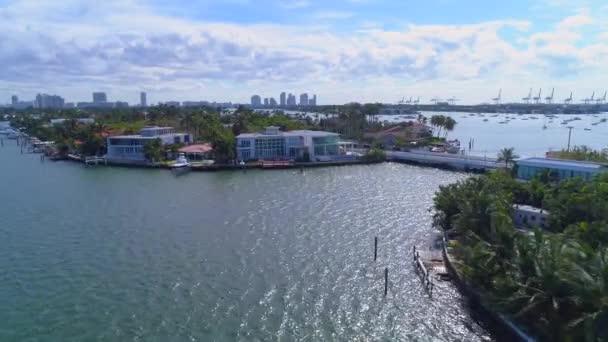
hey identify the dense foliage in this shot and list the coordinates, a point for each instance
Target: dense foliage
(582, 153)
(554, 283)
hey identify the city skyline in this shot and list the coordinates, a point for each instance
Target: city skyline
(362, 51)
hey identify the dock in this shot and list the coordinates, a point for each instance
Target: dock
(430, 267)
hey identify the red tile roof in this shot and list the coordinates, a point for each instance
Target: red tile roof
(197, 148)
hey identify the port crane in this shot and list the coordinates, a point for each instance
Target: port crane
(417, 101)
(568, 100)
(602, 99)
(497, 99)
(402, 101)
(590, 99)
(451, 100)
(549, 99)
(538, 98)
(409, 101)
(528, 98)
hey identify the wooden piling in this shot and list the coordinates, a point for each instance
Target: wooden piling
(385, 281)
(375, 248)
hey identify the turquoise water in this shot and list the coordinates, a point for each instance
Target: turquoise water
(116, 254)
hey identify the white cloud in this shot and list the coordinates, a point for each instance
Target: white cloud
(74, 47)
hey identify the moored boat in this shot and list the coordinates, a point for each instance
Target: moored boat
(181, 164)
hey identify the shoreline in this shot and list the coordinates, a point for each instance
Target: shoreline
(224, 167)
(499, 326)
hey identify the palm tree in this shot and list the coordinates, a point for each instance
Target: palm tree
(507, 155)
(449, 125)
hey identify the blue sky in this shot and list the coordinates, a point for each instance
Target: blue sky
(347, 50)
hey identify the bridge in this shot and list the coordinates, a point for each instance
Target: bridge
(454, 161)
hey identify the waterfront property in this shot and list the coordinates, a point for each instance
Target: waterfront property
(130, 148)
(558, 169)
(273, 144)
(406, 132)
(525, 216)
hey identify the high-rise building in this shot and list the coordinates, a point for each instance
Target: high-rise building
(304, 99)
(256, 101)
(273, 102)
(312, 101)
(266, 103)
(100, 97)
(48, 101)
(143, 99)
(283, 99)
(14, 100)
(291, 100)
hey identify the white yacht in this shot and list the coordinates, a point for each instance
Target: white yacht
(181, 164)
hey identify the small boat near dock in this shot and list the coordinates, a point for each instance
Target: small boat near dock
(181, 165)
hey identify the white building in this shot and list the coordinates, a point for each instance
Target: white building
(130, 148)
(273, 144)
(525, 216)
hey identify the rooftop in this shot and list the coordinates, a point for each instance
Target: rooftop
(561, 164)
(198, 148)
(139, 136)
(302, 132)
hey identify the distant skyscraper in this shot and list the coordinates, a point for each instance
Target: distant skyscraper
(273, 102)
(256, 101)
(100, 97)
(313, 101)
(304, 99)
(48, 101)
(143, 99)
(14, 100)
(283, 99)
(291, 100)
(266, 102)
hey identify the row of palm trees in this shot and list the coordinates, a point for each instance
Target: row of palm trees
(443, 123)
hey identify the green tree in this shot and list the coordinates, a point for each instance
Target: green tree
(449, 124)
(507, 155)
(153, 150)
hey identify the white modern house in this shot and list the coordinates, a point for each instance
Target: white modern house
(273, 144)
(130, 148)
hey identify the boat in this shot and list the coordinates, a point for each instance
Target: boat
(485, 119)
(587, 129)
(181, 164)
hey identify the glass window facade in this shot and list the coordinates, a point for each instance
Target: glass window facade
(529, 172)
(270, 148)
(326, 146)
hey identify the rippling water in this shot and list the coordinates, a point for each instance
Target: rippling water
(139, 255)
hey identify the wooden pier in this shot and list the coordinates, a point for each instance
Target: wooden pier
(429, 267)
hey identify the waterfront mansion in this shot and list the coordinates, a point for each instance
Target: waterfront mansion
(273, 144)
(129, 149)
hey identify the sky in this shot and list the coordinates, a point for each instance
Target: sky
(341, 50)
